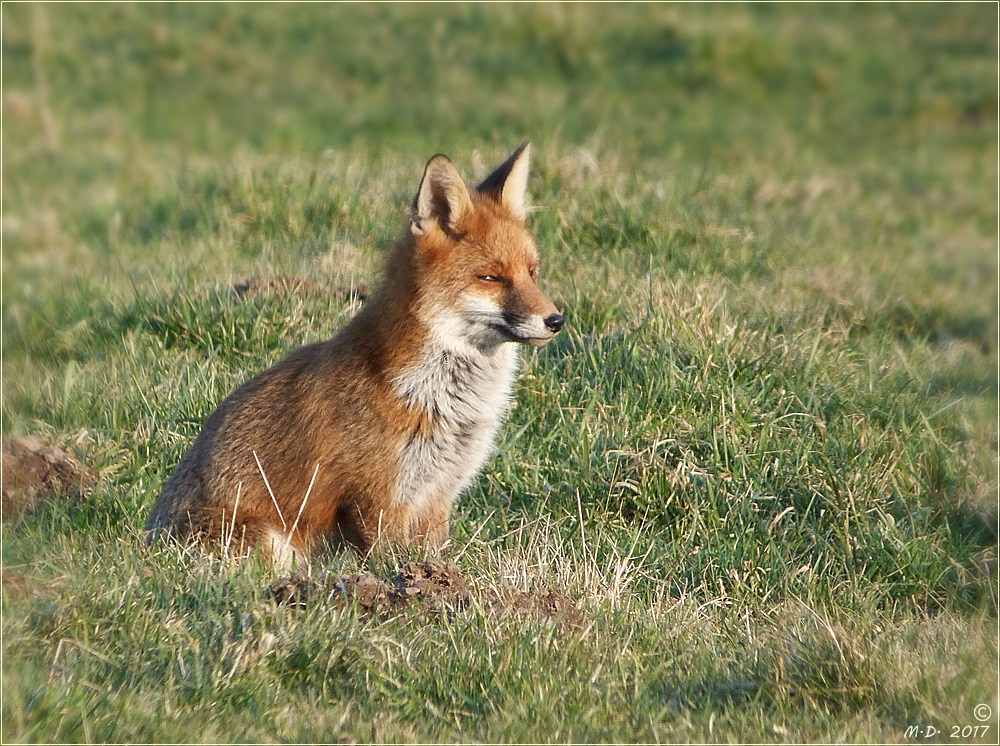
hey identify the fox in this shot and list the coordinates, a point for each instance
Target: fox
(367, 439)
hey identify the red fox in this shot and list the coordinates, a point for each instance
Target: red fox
(370, 436)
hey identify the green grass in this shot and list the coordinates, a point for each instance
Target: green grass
(762, 458)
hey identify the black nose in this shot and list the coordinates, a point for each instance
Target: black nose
(555, 322)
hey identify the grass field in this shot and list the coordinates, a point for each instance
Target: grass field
(762, 458)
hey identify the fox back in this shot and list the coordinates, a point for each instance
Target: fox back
(369, 437)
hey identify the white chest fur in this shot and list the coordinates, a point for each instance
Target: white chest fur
(462, 394)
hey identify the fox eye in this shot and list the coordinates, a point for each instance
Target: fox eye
(533, 272)
(490, 278)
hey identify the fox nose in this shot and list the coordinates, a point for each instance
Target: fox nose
(555, 322)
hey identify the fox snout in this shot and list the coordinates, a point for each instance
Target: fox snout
(534, 330)
(542, 321)
(555, 322)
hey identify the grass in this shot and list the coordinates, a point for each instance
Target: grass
(762, 458)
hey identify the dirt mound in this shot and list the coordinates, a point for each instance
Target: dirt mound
(293, 590)
(438, 583)
(432, 584)
(266, 287)
(366, 590)
(34, 473)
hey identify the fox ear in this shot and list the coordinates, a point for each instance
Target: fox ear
(442, 196)
(508, 185)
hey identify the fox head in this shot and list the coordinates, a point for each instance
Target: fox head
(476, 263)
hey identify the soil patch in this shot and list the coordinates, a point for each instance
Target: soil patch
(293, 590)
(366, 590)
(437, 583)
(431, 584)
(16, 584)
(34, 473)
(543, 605)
